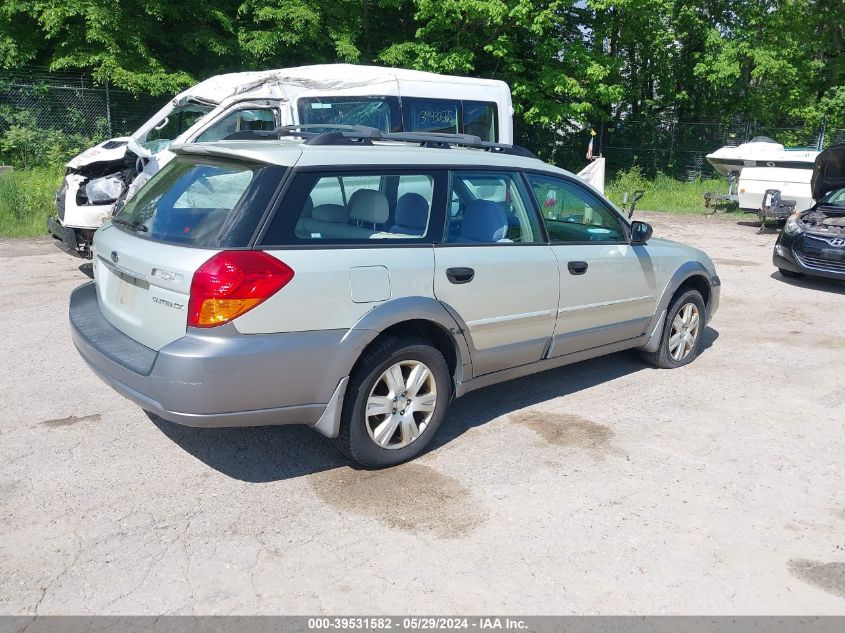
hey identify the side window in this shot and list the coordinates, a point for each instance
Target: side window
(173, 125)
(380, 112)
(430, 115)
(354, 208)
(573, 213)
(351, 184)
(479, 119)
(239, 121)
(448, 116)
(420, 185)
(491, 207)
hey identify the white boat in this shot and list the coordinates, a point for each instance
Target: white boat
(761, 151)
(793, 184)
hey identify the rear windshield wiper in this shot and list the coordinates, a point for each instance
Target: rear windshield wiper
(132, 226)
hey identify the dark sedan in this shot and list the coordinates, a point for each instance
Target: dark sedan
(813, 241)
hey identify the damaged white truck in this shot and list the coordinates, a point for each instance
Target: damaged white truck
(390, 99)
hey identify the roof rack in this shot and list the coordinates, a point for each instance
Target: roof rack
(363, 135)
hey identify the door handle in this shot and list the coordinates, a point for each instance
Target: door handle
(460, 275)
(577, 268)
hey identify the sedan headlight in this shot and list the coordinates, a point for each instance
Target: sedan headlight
(105, 189)
(793, 225)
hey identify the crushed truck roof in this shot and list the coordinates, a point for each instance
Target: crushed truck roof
(316, 77)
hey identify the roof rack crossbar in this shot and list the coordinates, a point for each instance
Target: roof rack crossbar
(332, 134)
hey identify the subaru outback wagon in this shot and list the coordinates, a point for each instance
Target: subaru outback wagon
(357, 283)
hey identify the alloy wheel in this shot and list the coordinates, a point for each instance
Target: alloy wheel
(684, 334)
(401, 404)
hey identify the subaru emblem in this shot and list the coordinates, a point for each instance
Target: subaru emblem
(114, 257)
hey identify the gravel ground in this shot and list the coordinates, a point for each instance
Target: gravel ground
(604, 487)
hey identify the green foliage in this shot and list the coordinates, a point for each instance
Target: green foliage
(663, 193)
(569, 62)
(26, 199)
(25, 145)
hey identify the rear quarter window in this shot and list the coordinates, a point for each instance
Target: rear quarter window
(203, 203)
(373, 208)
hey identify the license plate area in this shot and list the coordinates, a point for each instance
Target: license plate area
(121, 292)
(128, 289)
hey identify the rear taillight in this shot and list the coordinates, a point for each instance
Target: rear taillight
(233, 282)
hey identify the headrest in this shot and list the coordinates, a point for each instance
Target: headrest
(307, 208)
(484, 221)
(336, 213)
(369, 205)
(412, 211)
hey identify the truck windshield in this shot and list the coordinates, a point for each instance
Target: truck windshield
(172, 125)
(201, 202)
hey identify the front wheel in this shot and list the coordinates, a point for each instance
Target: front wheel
(681, 340)
(396, 399)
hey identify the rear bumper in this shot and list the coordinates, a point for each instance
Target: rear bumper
(219, 377)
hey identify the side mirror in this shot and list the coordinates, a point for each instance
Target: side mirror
(640, 232)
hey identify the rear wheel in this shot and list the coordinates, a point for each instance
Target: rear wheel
(396, 399)
(681, 340)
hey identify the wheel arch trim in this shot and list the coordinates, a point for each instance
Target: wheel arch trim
(428, 309)
(684, 273)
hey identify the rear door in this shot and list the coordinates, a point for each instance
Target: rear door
(495, 271)
(144, 260)
(608, 288)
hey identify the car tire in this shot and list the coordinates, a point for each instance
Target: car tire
(379, 426)
(680, 342)
(788, 273)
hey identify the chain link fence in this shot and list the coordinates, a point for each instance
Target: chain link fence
(64, 113)
(72, 103)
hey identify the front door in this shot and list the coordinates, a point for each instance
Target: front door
(608, 288)
(495, 271)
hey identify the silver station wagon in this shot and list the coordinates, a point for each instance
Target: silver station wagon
(357, 282)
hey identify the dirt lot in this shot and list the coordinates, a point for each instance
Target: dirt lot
(605, 487)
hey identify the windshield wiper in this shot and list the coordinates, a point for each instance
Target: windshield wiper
(132, 226)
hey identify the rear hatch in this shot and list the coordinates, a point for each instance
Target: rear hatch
(145, 258)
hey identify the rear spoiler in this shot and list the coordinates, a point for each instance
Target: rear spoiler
(237, 152)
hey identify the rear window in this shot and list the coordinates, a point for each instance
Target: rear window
(200, 202)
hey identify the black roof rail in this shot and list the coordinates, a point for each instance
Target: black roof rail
(337, 138)
(363, 135)
(316, 130)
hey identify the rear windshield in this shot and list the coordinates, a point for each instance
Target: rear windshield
(201, 202)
